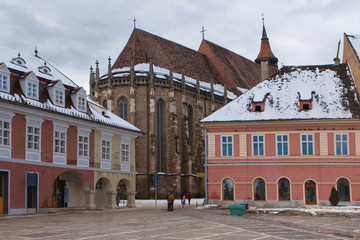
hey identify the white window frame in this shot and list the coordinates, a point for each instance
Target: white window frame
(81, 103)
(33, 154)
(341, 141)
(4, 73)
(106, 144)
(83, 160)
(5, 150)
(59, 157)
(125, 153)
(59, 97)
(282, 141)
(307, 144)
(258, 142)
(227, 143)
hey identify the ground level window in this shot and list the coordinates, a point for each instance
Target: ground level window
(228, 189)
(343, 188)
(259, 189)
(284, 189)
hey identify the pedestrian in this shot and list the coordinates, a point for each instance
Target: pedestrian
(189, 196)
(171, 199)
(183, 199)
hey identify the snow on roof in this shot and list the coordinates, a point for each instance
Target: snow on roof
(355, 42)
(112, 119)
(104, 115)
(35, 64)
(143, 68)
(334, 96)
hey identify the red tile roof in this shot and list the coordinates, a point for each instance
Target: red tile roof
(210, 62)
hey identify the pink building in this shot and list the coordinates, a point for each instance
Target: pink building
(57, 148)
(287, 141)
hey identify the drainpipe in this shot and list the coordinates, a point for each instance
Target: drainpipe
(206, 179)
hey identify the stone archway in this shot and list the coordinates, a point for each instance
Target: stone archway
(124, 191)
(102, 190)
(70, 190)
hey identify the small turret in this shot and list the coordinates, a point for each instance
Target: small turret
(109, 72)
(132, 73)
(183, 86)
(97, 72)
(266, 58)
(151, 72)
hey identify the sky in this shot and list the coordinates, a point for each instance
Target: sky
(73, 34)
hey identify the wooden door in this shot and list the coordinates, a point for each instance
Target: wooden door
(310, 192)
(2, 192)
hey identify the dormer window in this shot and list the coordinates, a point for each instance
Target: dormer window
(32, 90)
(78, 97)
(59, 97)
(57, 93)
(4, 78)
(19, 61)
(81, 103)
(30, 85)
(305, 105)
(45, 69)
(258, 106)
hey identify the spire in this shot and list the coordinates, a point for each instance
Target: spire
(203, 32)
(266, 58)
(91, 76)
(109, 72)
(264, 35)
(97, 72)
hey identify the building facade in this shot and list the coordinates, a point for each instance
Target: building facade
(164, 88)
(58, 148)
(287, 141)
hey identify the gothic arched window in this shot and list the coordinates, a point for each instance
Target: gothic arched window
(123, 103)
(259, 189)
(160, 136)
(343, 188)
(284, 189)
(228, 189)
(190, 126)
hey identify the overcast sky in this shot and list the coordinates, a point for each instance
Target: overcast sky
(72, 35)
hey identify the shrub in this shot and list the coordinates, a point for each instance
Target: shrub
(334, 197)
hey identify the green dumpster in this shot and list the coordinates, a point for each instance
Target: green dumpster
(237, 209)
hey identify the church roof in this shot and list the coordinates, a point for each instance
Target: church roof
(142, 45)
(230, 67)
(330, 88)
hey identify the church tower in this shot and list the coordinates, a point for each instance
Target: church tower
(266, 58)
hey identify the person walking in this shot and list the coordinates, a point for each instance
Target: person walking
(183, 199)
(189, 196)
(171, 200)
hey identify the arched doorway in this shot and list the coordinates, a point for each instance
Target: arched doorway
(125, 196)
(310, 192)
(69, 190)
(103, 185)
(121, 197)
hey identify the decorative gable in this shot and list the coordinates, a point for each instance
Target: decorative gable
(57, 93)
(4, 78)
(30, 85)
(78, 98)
